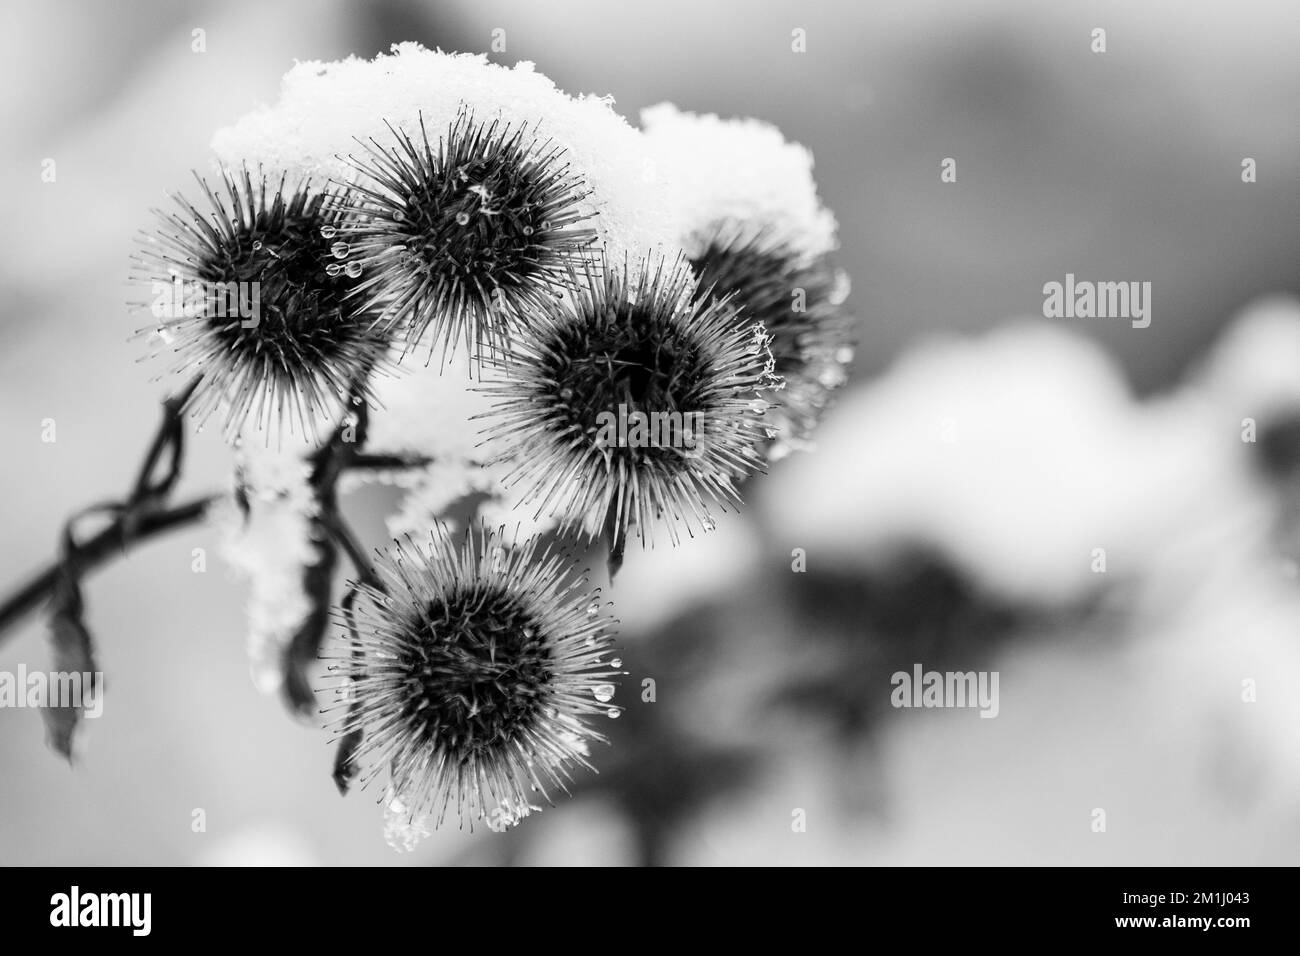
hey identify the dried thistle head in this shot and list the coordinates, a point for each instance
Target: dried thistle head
(470, 673)
(463, 236)
(799, 301)
(249, 294)
(630, 402)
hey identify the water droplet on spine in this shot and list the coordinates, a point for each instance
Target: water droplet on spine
(339, 250)
(603, 692)
(613, 713)
(352, 270)
(328, 231)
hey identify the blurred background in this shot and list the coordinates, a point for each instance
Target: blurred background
(951, 515)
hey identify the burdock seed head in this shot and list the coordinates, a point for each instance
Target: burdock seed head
(250, 295)
(754, 227)
(470, 673)
(631, 402)
(799, 301)
(464, 235)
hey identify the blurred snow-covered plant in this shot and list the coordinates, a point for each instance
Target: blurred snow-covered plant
(799, 305)
(420, 202)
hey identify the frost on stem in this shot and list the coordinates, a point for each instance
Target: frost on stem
(285, 531)
(268, 543)
(469, 676)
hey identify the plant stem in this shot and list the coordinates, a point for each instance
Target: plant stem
(117, 536)
(96, 551)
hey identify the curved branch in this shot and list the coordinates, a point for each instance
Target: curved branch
(95, 551)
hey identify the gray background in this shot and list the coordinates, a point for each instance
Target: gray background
(1122, 166)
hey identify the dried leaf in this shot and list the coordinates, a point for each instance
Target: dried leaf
(345, 768)
(73, 654)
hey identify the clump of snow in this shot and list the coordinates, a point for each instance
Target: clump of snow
(434, 491)
(324, 108)
(737, 175)
(429, 410)
(269, 547)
